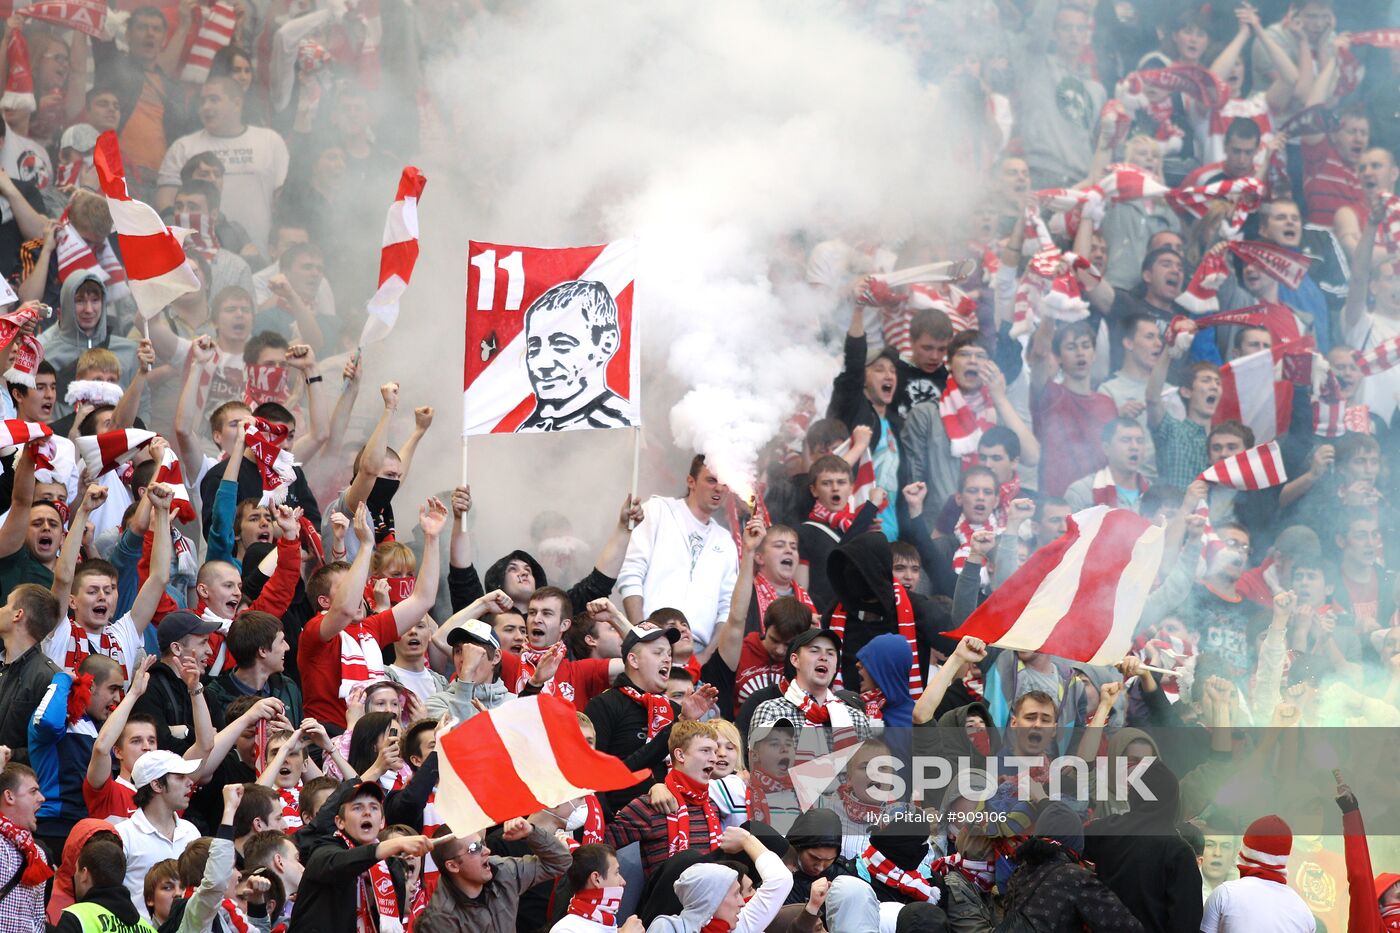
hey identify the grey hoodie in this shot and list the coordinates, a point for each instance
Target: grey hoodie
(851, 907)
(64, 343)
(701, 889)
(456, 700)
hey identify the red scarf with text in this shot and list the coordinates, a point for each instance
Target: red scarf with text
(761, 784)
(965, 417)
(361, 658)
(382, 884)
(908, 883)
(366, 914)
(904, 617)
(1106, 490)
(839, 521)
(600, 905)
(689, 793)
(291, 807)
(874, 701)
(765, 592)
(36, 867)
(660, 713)
(592, 824)
(265, 440)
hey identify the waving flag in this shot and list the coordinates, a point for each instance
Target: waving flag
(1079, 597)
(156, 267)
(108, 451)
(1250, 394)
(1256, 468)
(397, 257)
(551, 339)
(518, 758)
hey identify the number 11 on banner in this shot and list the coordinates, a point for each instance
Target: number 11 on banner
(514, 266)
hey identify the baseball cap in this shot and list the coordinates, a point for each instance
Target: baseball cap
(811, 635)
(474, 630)
(372, 788)
(872, 354)
(641, 636)
(176, 625)
(157, 764)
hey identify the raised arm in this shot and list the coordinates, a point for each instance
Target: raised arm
(372, 459)
(969, 651)
(186, 408)
(148, 598)
(459, 550)
(609, 562)
(1008, 416)
(32, 287)
(16, 527)
(99, 768)
(494, 601)
(729, 641)
(1042, 360)
(124, 416)
(303, 359)
(268, 708)
(67, 564)
(340, 415)
(1157, 380)
(422, 420)
(349, 591)
(431, 518)
(31, 223)
(1364, 259)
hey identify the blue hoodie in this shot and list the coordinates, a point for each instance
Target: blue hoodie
(887, 659)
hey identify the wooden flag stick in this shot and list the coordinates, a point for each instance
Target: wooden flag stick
(1158, 670)
(636, 467)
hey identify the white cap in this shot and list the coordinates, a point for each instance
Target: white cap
(158, 764)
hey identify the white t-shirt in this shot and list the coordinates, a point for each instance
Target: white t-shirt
(420, 682)
(126, 642)
(25, 160)
(255, 166)
(1382, 391)
(1253, 905)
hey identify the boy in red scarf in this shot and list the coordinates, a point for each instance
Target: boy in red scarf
(596, 879)
(20, 855)
(695, 823)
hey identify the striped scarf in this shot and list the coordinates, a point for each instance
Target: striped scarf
(601, 905)
(592, 824)
(908, 883)
(660, 713)
(366, 911)
(982, 875)
(73, 255)
(904, 618)
(689, 793)
(964, 418)
(291, 807)
(765, 593)
(80, 646)
(1106, 490)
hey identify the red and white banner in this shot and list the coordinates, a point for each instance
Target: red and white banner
(87, 16)
(266, 382)
(552, 343)
(216, 25)
(1251, 395)
(156, 267)
(397, 257)
(170, 474)
(108, 451)
(1256, 468)
(1079, 597)
(1379, 358)
(518, 758)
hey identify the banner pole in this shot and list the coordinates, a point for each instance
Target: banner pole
(464, 476)
(636, 467)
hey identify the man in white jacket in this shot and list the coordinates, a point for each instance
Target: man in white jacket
(680, 557)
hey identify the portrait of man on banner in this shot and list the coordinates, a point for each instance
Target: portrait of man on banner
(571, 334)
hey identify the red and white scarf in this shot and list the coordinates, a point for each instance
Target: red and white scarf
(765, 593)
(834, 713)
(265, 440)
(366, 910)
(74, 255)
(965, 418)
(660, 713)
(761, 785)
(963, 531)
(874, 701)
(201, 238)
(291, 807)
(1388, 229)
(904, 618)
(381, 884)
(1379, 358)
(908, 883)
(236, 917)
(37, 869)
(1255, 864)
(839, 521)
(981, 875)
(1244, 194)
(80, 646)
(689, 793)
(361, 658)
(1390, 918)
(1106, 490)
(601, 905)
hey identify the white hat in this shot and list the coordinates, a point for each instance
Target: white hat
(158, 764)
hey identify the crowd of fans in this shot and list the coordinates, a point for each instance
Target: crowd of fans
(220, 707)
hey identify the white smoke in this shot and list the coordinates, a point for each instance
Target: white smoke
(717, 133)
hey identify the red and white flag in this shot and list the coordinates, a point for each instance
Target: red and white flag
(552, 343)
(397, 256)
(87, 16)
(105, 452)
(1379, 358)
(169, 473)
(1256, 468)
(1079, 597)
(14, 433)
(156, 267)
(518, 758)
(216, 25)
(1251, 395)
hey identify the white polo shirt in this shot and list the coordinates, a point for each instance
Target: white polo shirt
(144, 846)
(1254, 905)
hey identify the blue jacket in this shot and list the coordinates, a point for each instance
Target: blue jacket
(887, 659)
(59, 755)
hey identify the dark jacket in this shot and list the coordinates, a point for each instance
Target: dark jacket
(621, 727)
(494, 910)
(1143, 860)
(816, 828)
(167, 699)
(848, 402)
(1051, 892)
(221, 691)
(114, 900)
(122, 72)
(464, 586)
(862, 574)
(326, 899)
(22, 687)
(250, 487)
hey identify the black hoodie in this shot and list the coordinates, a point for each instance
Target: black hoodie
(1143, 860)
(115, 900)
(861, 572)
(815, 829)
(464, 586)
